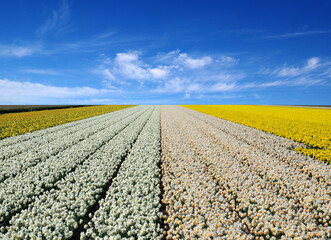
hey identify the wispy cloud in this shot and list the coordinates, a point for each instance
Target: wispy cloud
(28, 92)
(43, 71)
(311, 64)
(312, 73)
(19, 50)
(93, 43)
(305, 82)
(297, 34)
(58, 22)
(187, 86)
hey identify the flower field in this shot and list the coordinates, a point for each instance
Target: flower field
(19, 123)
(169, 172)
(311, 126)
(223, 180)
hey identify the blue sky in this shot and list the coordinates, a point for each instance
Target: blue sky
(165, 52)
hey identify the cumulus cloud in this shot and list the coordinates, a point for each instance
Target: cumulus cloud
(171, 72)
(14, 92)
(184, 60)
(128, 65)
(160, 72)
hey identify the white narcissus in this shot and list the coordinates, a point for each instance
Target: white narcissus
(131, 207)
(24, 188)
(19, 156)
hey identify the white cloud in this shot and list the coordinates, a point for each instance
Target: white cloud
(58, 22)
(311, 64)
(178, 85)
(227, 61)
(160, 72)
(109, 78)
(14, 92)
(184, 60)
(225, 76)
(167, 57)
(19, 50)
(222, 87)
(129, 66)
(107, 74)
(187, 86)
(297, 34)
(175, 85)
(43, 71)
(286, 71)
(305, 82)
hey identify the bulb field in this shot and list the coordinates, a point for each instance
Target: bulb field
(310, 126)
(165, 172)
(24, 122)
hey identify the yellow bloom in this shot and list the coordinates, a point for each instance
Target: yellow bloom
(13, 124)
(311, 126)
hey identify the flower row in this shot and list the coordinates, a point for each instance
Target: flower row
(58, 213)
(17, 192)
(32, 141)
(44, 150)
(311, 126)
(19, 123)
(217, 186)
(131, 209)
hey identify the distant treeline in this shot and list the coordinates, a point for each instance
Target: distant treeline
(315, 105)
(30, 108)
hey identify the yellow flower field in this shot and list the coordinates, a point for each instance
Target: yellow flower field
(311, 126)
(13, 124)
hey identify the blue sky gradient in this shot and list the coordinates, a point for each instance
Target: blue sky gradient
(165, 52)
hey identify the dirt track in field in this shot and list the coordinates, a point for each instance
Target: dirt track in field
(225, 180)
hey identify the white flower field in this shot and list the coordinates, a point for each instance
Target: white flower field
(151, 172)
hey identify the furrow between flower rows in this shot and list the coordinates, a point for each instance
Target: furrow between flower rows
(131, 209)
(56, 214)
(12, 166)
(18, 192)
(32, 141)
(254, 195)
